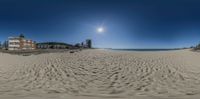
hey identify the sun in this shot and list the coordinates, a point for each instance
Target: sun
(100, 29)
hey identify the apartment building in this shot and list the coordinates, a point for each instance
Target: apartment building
(53, 45)
(20, 43)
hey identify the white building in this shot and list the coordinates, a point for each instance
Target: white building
(20, 43)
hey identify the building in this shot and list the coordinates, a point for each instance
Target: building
(89, 43)
(86, 44)
(53, 45)
(20, 43)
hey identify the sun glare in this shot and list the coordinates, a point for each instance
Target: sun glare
(100, 30)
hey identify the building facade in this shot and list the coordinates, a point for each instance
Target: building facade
(53, 45)
(89, 43)
(86, 44)
(20, 43)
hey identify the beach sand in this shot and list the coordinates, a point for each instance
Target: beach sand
(101, 74)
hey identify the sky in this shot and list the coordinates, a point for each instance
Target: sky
(125, 23)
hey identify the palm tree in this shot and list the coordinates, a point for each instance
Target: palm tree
(5, 45)
(21, 36)
(197, 47)
(0, 45)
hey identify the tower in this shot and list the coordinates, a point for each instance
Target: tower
(89, 43)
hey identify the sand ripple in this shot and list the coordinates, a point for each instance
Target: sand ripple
(103, 73)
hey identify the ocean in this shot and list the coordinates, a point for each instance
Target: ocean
(144, 49)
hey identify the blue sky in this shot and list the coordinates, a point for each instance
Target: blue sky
(127, 23)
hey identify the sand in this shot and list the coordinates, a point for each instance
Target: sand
(101, 74)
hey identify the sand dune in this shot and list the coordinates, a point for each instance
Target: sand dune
(96, 74)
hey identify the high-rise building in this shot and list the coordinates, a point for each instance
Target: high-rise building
(89, 43)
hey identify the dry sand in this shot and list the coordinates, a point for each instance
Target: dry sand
(101, 74)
